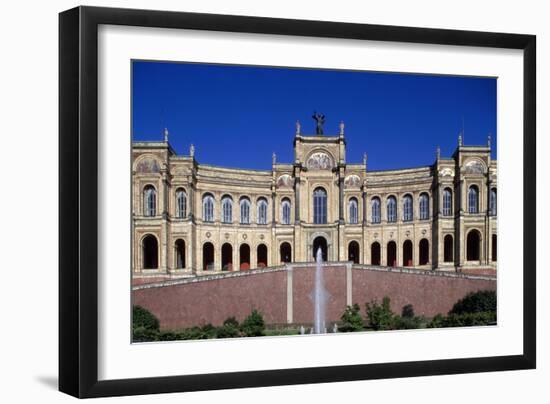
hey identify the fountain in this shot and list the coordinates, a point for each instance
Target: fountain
(319, 296)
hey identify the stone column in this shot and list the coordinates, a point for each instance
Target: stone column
(341, 200)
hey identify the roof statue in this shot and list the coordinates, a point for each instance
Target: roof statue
(320, 121)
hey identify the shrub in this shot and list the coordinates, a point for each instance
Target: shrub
(464, 320)
(407, 311)
(253, 325)
(380, 316)
(229, 329)
(351, 319)
(476, 302)
(407, 323)
(142, 334)
(143, 318)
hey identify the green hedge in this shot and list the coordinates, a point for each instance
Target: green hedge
(476, 302)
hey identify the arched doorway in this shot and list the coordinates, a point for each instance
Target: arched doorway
(424, 252)
(150, 252)
(391, 254)
(353, 252)
(227, 257)
(320, 242)
(262, 256)
(180, 254)
(207, 256)
(448, 248)
(407, 253)
(472, 246)
(375, 253)
(244, 257)
(286, 252)
(494, 247)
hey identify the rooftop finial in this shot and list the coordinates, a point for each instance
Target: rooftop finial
(166, 134)
(320, 121)
(192, 150)
(438, 153)
(460, 139)
(298, 128)
(341, 128)
(274, 158)
(489, 140)
(365, 159)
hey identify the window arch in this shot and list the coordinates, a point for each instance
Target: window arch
(424, 252)
(180, 253)
(448, 248)
(407, 208)
(375, 210)
(391, 207)
(285, 211)
(244, 257)
(493, 202)
(208, 256)
(447, 202)
(391, 254)
(473, 244)
(407, 253)
(473, 199)
(319, 206)
(181, 203)
(375, 253)
(353, 211)
(149, 201)
(227, 257)
(262, 211)
(150, 252)
(245, 210)
(208, 208)
(227, 209)
(424, 205)
(261, 256)
(353, 252)
(286, 252)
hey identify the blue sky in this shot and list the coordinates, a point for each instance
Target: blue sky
(236, 116)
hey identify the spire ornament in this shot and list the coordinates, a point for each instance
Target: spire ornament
(438, 153)
(341, 128)
(166, 135)
(298, 128)
(274, 158)
(192, 150)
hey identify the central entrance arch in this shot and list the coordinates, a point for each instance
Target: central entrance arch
(320, 242)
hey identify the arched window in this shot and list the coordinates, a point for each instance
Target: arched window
(407, 253)
(448, 248)
(181, 203)
(150, 252)
(375, 253)
(208, 256)
(447, 202)
(353, 252)
(407, 208)
(285, 211)
(208, 208)
(391, 206)
(353, 219)
(180, 253)
(473, 199)
(245, 211)
(424, 206)
(424, 252)
(149, 201)
(244, 256)
(262, 211)
(319, 206)
(286, 252)
(227, 257)
(375, 206)
(320, 243)
(493, 202)
(261, 255)
(391, 254)
(227, 209)
(473, 242)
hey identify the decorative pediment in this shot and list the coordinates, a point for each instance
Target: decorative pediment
(352, 181)
(148, 166)
(319, 161)
(474, 167)
(285, 181)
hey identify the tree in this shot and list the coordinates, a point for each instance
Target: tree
(380, 316)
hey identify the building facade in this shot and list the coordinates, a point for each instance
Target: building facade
(193, 219)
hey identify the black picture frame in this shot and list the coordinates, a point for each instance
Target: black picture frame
(78, 193)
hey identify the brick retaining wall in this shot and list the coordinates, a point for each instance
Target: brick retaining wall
(284, 294)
